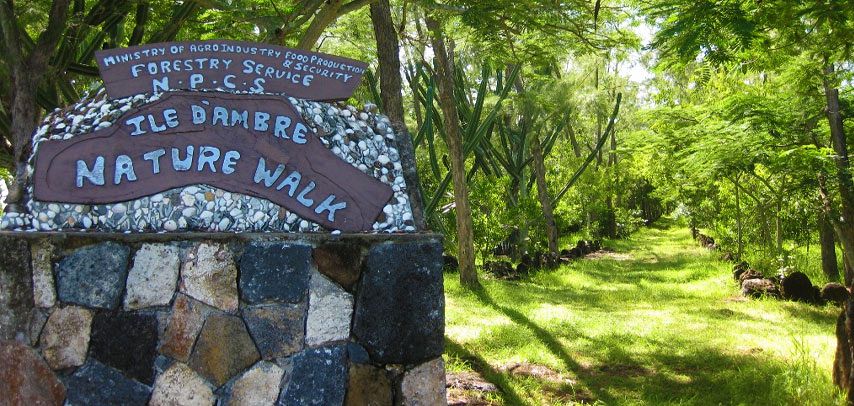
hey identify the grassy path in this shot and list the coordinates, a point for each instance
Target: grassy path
(658, 321)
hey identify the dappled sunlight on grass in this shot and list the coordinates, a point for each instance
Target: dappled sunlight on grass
(660, 323)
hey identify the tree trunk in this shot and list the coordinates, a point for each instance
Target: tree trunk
(844, 227)
(842, 359)
(738, 219)
(326, 16)
(26, 74)
(849, 330)
(848, 273)
(543, 192)
(388, 51)
(847, 246)
(321, 20)
(828, 248)
(445, 81)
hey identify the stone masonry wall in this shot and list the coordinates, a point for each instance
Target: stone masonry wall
(202, 319)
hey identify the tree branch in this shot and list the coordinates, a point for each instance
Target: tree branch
(37, 61)
(353, 6)
(9, 27)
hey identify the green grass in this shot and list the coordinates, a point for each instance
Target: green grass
(658, 322)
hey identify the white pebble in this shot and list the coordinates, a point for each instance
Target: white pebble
(188, 200)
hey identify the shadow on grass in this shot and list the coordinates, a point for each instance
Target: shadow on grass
(544, 336)
(674, 371)
(687, 376)
(623, 366)
(489, 373)
(820, 316)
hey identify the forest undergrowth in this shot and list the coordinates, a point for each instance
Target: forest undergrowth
(656, 319)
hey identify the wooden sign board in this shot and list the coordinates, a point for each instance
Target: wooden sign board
(230, 66)
(255, 145)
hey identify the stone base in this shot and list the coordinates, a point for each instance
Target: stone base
(283, 319)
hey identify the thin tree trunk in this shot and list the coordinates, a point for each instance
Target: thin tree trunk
(598, 136)
(543, 192)
(445, 80)
(847, 245)
(576, 148)
(738, 219)
(778, 226)
(388, 51)
(828, 248)
(842, 359)
(612, 154)
(844, 226)
(140, 19)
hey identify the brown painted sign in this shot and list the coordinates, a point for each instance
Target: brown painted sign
(256, 145)
(229, 66)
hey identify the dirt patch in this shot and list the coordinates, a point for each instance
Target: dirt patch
(558, 387)
(469, 389)
(535, 371)
(569, 394)
(750, 350)
(469, 380)
(609, 254)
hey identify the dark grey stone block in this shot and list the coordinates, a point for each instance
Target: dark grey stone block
(127, 342)
(400, 306)
(97, 384)
(357, 354)
(94, 276)
(16, 294)
(319, 377)
(274, 272)
(278, 329)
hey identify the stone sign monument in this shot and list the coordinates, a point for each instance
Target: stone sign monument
(182, 241)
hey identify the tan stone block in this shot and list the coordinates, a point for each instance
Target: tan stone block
(180, 385)
(425, 384)
(44, 285)
(210, 275)
(65, 337)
